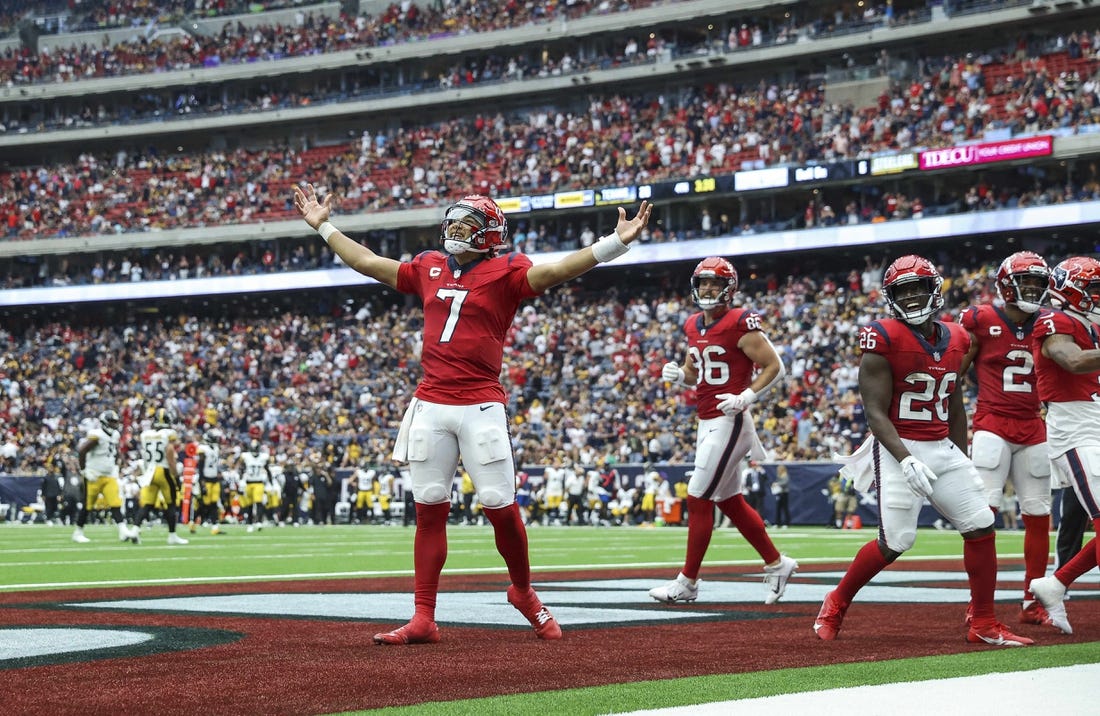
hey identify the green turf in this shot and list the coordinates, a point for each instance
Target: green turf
(41, 557)
(685, 692)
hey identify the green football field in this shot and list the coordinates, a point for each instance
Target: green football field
(40, 557)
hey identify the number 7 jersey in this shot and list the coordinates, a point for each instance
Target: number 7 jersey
(925, 373)
(468, 311)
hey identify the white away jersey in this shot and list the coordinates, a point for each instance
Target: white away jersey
(102, 459)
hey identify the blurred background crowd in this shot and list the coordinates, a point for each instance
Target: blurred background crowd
(144, 141)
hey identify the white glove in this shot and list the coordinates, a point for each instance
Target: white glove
(731, 404)
(672, 373)
(918, 475)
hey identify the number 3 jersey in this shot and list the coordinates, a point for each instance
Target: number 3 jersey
(1008, 401)
(925, 373)
(1073, 399)
(722, 366)
(468, 311)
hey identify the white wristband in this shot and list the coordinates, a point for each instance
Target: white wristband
(326, 230)
(609, 247)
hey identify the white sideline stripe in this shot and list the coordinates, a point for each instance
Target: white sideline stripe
(403, 573)
(1060, 690)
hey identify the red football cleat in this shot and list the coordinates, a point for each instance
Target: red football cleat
(827, 624)
(995, 633)
(417, 631)
(529, 605)
(1034, 613)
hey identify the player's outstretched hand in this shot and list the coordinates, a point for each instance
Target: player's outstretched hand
(630, 229)
(314, 212)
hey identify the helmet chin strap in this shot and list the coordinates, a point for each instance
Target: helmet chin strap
(455, 247)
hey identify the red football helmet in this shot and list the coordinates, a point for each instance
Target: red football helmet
(475, 223)
(714, 267)
(1075, 284)
(1023, 280)
(906, 272)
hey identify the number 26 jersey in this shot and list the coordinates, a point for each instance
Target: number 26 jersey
(925, 373)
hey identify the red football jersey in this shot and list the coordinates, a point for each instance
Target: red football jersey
(1008, 401)
(925, 374)
(467, 312)
(1055, 384)
(722, 366)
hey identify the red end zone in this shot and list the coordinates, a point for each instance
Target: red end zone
(239, 663)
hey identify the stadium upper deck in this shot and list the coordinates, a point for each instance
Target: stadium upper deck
(688, 57)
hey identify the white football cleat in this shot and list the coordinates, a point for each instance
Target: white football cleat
(1051, 594)
(78, 536)
(129, 533)
(174, 538)
(777, 577)
(678, 590)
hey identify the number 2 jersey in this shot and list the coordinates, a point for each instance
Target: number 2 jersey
(1008, 400)
(925, 373)
(468, 311)
(1072, 399)
(722, 366)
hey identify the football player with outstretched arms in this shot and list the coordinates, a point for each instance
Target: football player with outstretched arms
(470, 292)
(723, 346)
(1067, 364)
(160, 476)
(908, 380)
(1009, 436)
(97, 456)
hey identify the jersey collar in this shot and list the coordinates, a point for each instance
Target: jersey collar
(1024, 327)
(454, 265)
(701, 319)
(943, 339)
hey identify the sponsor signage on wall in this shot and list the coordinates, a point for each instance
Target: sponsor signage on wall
(761, 179)
(893, 163)
(968, 154)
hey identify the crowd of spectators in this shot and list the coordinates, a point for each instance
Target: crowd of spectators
(310, 34)
(610, 139)
(238, 43)
(529, 236)
(582, 369)
(63, 16)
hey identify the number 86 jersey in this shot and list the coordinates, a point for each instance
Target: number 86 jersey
(722, 366)
(925, 373)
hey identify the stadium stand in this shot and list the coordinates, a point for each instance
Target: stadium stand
(802, 141)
